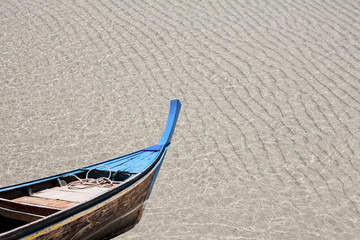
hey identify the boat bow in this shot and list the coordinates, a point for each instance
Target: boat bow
(60, 210)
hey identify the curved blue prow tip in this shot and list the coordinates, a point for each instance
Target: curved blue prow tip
(174, 111)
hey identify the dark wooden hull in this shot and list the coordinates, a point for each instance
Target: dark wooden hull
(53, 208)
(106, 220)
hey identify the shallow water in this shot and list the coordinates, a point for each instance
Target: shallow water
(267, 143)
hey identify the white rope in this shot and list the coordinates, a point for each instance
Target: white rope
(91, 182)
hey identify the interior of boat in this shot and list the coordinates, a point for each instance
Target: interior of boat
(25, 203)
(31, 202)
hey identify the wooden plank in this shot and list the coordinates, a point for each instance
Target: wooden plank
(114, 160)
(129, 159)
(72, 195)
(17, 215)
(105, 221)
(53, 203)
(25, 207)
(138, 164)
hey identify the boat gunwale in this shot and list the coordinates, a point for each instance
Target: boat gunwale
(65, 174)
(35, 226)
(100, 203)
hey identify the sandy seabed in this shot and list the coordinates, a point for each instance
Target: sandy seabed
(267, 143)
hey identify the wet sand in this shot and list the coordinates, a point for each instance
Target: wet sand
(267, 144)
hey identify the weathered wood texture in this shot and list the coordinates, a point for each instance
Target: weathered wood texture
(19, 215)
(106, 221)
(71, 195)
(26, 207)
(59, 204)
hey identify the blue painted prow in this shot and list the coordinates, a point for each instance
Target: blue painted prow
(135, 162)
(174, 111)
(164, 142)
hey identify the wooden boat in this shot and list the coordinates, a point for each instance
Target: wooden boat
(99, 201)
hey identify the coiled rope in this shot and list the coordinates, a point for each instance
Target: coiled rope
(91, 182)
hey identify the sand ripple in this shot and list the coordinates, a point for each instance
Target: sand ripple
(267, 145)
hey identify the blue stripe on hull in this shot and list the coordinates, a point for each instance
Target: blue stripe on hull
(156, 173)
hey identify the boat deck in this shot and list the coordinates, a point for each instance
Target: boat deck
(70, 195)
(31, 206)
(26, 203)
(39, 201)
(40, 204)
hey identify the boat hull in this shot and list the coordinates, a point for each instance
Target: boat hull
(57, 208)
(105, 220)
